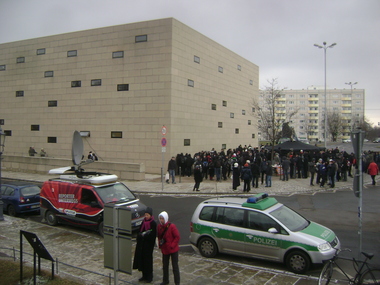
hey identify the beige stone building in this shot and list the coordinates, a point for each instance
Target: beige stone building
(119, 86)
(309, 103)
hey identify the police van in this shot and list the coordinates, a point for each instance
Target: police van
(79, 199)
(260, 227)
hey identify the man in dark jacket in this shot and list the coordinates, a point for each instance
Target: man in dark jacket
(246, 175)
(331, 171)
(172, 166)
(255, 169)
(285, 168)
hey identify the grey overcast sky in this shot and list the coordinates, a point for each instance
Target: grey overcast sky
(276, 35)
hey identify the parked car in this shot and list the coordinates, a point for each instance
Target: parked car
(346, 140)
(260, 227)
(304, 141)
(376, 140)
(79, 200)
(20, 197)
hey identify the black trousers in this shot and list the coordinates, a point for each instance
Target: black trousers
(165, 267)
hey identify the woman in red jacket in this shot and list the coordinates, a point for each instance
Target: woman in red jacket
(373, 170)
(168, 240)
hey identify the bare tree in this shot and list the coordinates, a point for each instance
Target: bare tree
(270, 112)
(334, 124)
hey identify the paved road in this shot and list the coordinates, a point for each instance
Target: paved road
(85, 251)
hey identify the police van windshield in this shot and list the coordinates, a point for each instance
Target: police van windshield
(114, 193)
(290, 219)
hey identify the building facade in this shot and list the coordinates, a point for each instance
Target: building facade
(309, 104)
(119, 86)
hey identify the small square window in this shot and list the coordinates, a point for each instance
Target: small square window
(186, 142)
(197, 59)
(224, 103)
(123, 87)
(239, 67)
(53, 103)
(20, 59)
(243, 112)
(2, 122)
(116, 135)
(52, 139)
(35, 127)
(96, 82)
(72, 53)
(20, 93)
(220, 69)
(49, 73)
(3, 67)
(190, 83)
(253, 136)
(220, 124)
(141, 38)
(118, 54)
(8, 133)
(41, 51)
(213, 106)
(232, 115)
(253, 110)
(236, 131)
(249, 122)
(251, 82)
(76, 83)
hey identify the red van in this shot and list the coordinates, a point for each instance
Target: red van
(79, 201)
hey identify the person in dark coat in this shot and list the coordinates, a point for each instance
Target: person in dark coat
(331, 172)
(246, 175)
(235, 176)
(285, 168)
(146, 239)
(323, 173)
(198, 177)
(312, 170)
(255, 168)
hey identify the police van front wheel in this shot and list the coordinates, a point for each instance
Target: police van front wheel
(207, 247)
(297, 261)
(51, 219)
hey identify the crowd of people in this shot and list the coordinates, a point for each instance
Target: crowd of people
(252, 166)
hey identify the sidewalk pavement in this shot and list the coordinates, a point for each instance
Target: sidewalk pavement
(80, 254)
(184, 185)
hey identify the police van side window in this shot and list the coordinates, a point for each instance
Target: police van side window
(206, 214)
(261, 222)
(230, 216)
(234, 217)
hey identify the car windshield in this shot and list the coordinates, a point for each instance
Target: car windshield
(30, 191)
(290, 219)
(115, 193)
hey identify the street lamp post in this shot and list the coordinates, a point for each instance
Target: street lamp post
(2, 141)
(350, 83)
(325, 47)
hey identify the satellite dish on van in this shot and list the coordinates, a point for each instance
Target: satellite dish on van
(76, 155)
(77, 148)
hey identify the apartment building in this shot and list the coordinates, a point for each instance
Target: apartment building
(310, 105)
(119, 86)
